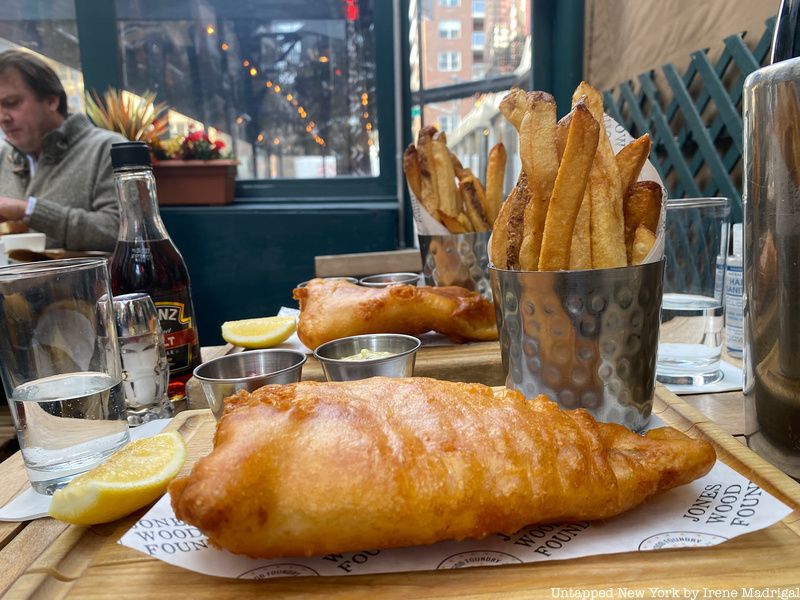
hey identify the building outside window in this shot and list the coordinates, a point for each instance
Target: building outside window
(449, 61)
(289, 88)
(450, 30)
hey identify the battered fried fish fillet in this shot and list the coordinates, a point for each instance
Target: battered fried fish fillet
(331, 309)
(314, 468)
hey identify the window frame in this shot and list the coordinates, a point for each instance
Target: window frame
(99, 48)
(450, 54)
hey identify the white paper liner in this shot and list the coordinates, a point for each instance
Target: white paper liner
(720, 506)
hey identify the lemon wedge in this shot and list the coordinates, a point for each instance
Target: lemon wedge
(131, 478)
(263, 332)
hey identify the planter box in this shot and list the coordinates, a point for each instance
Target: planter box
(195, 181)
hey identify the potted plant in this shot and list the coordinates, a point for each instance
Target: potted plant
(189, 170)
(193, 170)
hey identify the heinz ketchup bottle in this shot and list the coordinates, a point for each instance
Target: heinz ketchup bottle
(146, 260)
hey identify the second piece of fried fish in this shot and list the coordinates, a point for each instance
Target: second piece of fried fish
(334, 308)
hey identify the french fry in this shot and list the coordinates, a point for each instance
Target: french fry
(427, 170)
(463, 219)
(631, 159)
(569, 188)
(642, 207)
(643, 241)
(411, 169)
(507, 232)
(495, 175)
(513, 106)
(445, 175)
(474, 199)
(452, 224)
(561, 133)
(580, 250)
(605, 191)
(458, 168)
(538, 152)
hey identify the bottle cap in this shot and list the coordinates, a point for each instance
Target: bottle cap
(130, 154)
(737, 239)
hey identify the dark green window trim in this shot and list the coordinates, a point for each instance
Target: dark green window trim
(97, 30)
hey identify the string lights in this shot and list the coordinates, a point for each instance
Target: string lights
(352, 12)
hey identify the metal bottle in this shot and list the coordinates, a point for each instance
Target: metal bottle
(772, 252)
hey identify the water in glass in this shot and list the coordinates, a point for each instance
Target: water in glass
(690, 344)
(67, 424)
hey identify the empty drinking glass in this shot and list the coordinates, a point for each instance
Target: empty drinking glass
(144, 359)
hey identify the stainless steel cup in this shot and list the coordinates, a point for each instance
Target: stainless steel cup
(400, 364)
(585, 338)
(457, 259)
(387, 279)
(226, 375)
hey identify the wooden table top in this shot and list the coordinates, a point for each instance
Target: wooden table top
(48, 559)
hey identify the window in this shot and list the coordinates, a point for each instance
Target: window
(448, 123)
(478, 40)
(49, 29)
(449, 30)
(450, 3)
(290, 88)
(478, 8)
(449, 61)
(478, 70)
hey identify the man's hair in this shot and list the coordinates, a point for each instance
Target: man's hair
(37, 74)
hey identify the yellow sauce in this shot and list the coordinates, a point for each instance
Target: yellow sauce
(367, 354)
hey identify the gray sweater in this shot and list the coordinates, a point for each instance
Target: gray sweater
(76, 201)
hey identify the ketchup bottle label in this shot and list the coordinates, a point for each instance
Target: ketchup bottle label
(179, 335)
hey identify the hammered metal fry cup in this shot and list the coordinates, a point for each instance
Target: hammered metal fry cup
(457, 259)
(585, 338)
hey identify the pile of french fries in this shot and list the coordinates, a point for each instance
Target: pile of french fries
(576, 205)
(452, 194)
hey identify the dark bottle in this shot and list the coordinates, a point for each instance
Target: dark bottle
(146, 260)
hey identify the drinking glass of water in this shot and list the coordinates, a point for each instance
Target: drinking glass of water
(696, 247)
(60, 366)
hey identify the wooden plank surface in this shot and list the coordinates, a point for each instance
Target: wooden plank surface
(368, 263)
(88, 563)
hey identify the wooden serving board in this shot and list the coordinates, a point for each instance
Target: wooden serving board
(88, 563)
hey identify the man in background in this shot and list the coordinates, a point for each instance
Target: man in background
(55, 168)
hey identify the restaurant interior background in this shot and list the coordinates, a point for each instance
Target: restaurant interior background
(317, 99)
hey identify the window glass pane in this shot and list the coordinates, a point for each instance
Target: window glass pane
(48, 28)
(290, 87)
(494, 34)
(449, 30)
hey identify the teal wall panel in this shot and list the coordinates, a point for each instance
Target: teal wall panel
(244, 260)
